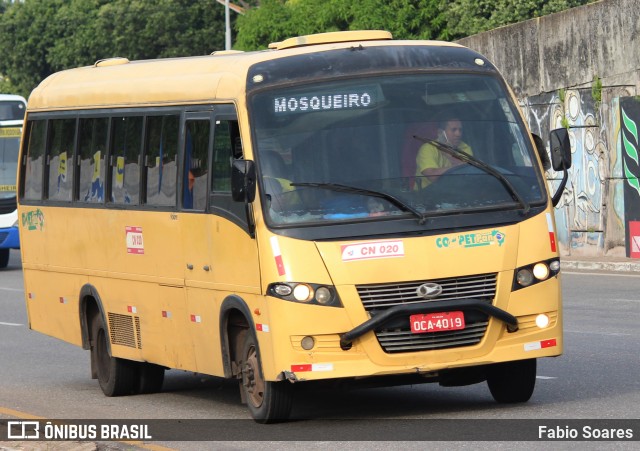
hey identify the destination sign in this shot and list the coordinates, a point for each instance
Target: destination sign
(10, 132)
(307, 103)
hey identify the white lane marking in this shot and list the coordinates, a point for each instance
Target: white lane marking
(604, 272)
(10, 324)
(546, 377)
(18, 290)
(612, 334)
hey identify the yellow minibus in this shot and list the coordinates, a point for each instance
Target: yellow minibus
(340, 206)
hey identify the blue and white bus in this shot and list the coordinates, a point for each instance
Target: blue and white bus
(12, 109)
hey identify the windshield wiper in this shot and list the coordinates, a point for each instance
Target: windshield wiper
(470, 159)
(366, 192)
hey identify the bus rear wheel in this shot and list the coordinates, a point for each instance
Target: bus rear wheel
(268, 402)
(150, 378)
(512, 382)
(116, 376)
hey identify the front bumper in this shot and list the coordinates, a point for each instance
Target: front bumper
(428, 307)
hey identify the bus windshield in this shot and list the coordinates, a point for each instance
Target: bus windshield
(390, 146)
(12, 110)
(9, 146)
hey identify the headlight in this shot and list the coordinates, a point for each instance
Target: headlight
(302, 293)
(536, 272)
(541, 271)
(524, 277)
(323, 295)
(306, 293)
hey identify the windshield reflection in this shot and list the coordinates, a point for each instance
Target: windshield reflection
(390, 147)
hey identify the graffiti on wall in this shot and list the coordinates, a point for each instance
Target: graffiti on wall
(580, 216)
(630, 124)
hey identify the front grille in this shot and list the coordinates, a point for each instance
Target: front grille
(406, 341)
(397, 336)
(3, 236)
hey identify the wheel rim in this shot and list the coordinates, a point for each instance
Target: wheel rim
(251, 379)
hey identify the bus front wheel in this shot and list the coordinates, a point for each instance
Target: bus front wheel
(268, 402)
(116, 376)
(512, 382)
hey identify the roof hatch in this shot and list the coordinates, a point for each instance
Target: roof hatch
(111, 62)
(332, 37)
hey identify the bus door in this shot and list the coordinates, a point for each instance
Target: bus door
(221, 257)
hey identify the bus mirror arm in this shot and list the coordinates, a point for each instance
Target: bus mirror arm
(426, 307)
(556, 197)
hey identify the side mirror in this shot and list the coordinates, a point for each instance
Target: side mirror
(560, 149)
(243, 181)
(560, 158)
(542, 152)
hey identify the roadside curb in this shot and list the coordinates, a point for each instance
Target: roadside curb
(600, 266)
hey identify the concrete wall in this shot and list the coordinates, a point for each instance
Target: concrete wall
(551, 63)
(567, 49)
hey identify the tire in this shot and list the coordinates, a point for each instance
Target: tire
(268, 402)
(512, 382)
(4, 258)
(117, 377)
(150, 378)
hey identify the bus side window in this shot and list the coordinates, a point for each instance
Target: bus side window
(194, 191)
(33, 164)
(161, 160)
(227, 147)
(59, 159)
(125, 159)
(92, 150)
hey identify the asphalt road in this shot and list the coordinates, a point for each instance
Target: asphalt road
(596, 378)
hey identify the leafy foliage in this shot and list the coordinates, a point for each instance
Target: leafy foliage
(44, 36)
(40, 37)
(276, 20)
(467, 17)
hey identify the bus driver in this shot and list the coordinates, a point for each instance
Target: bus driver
(432, 162)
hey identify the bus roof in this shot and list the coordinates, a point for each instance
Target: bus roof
(220, 76)
(12, 97)
(12, 123)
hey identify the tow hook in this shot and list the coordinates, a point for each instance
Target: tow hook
(287, 376)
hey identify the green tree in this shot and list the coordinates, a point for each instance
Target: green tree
(44, 36)
(467, 17)
(275, 20)
(27, 36)
(40, 37)
(145, 29)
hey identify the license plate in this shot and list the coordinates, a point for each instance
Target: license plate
(436, 322)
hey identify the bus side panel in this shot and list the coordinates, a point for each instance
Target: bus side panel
(202, 326)
(52, 303)
(221, 259)
(163, 327)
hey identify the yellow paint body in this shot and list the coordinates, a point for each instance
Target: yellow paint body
(173, 291)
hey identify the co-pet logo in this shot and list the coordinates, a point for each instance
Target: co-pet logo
(23, 430)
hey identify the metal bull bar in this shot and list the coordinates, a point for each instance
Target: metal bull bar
(429, 307)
